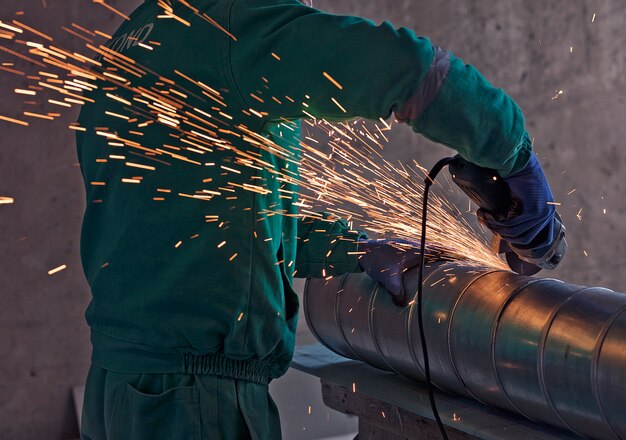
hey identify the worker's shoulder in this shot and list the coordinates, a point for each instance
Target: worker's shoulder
(270, 8)
(265, 3)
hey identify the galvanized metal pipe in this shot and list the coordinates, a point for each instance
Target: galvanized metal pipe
(551, 351)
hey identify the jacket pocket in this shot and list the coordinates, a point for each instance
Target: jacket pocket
(173, 414)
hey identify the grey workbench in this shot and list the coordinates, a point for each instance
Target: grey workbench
(391, 407)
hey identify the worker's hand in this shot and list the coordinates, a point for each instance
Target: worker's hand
(385, 261)
(532, 224)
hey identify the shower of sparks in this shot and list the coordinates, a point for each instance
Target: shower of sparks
(353, 182)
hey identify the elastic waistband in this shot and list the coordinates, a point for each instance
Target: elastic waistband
(126, 357)
(220, 365)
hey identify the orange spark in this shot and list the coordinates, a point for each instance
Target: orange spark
(14, 121)
(57, 269)
(332, 80)
(112, 9)
(34, 31)
(339, 105)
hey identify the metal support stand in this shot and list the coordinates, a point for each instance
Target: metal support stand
(379, 420)
(392, 407)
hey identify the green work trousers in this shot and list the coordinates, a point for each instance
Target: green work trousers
(172, 406)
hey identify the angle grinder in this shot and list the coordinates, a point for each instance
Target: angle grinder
(489, 191)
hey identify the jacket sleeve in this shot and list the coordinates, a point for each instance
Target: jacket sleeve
(326, 247)
(291, 61)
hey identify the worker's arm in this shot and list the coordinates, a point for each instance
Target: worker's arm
(291, 61)
(326, 247)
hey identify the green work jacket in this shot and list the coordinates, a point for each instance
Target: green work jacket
(189, 148)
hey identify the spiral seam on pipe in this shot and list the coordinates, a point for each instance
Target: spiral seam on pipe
(407, 332)
(409, 326)
(554, 283)
(541, 355)
(370, 324)
(308, 316)
(338, 318)
(603, 341)
(492, 344)
(449, 333)
(604, 331)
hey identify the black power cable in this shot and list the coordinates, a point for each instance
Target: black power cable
(428, 181)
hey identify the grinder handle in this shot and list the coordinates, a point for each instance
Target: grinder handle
(485, 187)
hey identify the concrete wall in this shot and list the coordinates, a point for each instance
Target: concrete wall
(44, 342)
(522, 46)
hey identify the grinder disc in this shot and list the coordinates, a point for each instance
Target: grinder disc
(520, 266)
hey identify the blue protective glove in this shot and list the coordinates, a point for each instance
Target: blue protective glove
(385, 261)
(532, 224)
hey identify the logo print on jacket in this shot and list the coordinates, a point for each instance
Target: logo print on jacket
(131, 39)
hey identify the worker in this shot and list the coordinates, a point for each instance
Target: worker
(193, 311)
